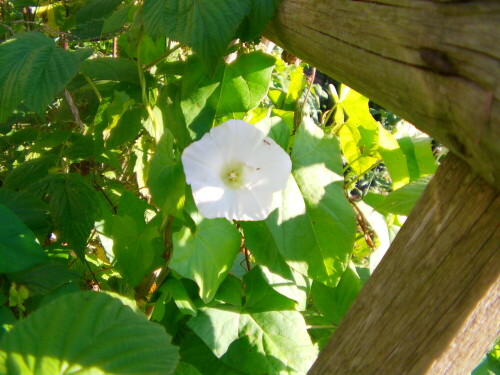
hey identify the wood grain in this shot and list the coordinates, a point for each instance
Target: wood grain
(434, 63)
(433, 304)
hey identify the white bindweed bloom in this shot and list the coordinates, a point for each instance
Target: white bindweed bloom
(234, 170)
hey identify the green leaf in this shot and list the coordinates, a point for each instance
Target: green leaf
(95, 9)
(127, 129)
(205, 25)
(194, 351)
(117, 20)
(417, 149)
(394, 158)
(261, 296)
(274, 342)
(275, 128)
(18, 247)
(74, 207)
(33, 69)
(402, 201)
(111, 69)
(333, 303)
(264, 247)
(87, 333)
(166, 179)
(184, 368)
(44, 278)
(32, 211)
(29, 172)
(359, 156)
(315, 225)
(137, 247)
(235, 88)
(206, 256)
(180, 296)
(261, 12)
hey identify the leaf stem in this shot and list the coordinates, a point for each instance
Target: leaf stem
(94, 88)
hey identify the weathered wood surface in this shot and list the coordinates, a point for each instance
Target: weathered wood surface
(433, 304)
(434, 63)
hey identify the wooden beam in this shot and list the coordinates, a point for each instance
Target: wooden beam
(434, 63)
(433, 304)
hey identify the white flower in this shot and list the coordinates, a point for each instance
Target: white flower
(234, 170)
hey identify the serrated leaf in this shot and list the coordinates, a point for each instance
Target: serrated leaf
(117, 20)
(261, 12)
(111, 69)
(235, 88)
(89, 333)
(33, 70)
(95, 9)
(44, 278)
(18, 247)
(29, 172)
(206, 256)
(32, 211)
(207, 26)
(74, 207)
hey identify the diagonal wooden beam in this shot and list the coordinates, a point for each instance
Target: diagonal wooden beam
(434, 63)
(433, 304)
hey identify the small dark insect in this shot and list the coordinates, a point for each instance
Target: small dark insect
(258, 169)
(266, 142)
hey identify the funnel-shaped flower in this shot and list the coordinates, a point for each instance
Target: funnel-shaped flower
(234, 170)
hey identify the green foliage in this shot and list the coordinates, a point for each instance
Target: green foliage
(93, 192)
(104, 334)
(18, 247)
(207, 26)
(207, 254)
(73, 206)
(33, 70)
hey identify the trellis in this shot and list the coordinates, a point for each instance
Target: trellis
(433, 304)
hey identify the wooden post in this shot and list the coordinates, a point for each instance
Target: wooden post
(433, 304)
(434, 63)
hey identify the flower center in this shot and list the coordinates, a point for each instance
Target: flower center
(233, 175)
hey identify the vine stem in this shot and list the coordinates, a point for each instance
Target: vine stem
(363, 223)
(299, 112)
(142, 80)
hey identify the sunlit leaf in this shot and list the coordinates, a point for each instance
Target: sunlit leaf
(235, 88)
(87, 333)
(315, 225)
(206, 256)
(273, 341)
(205, 25)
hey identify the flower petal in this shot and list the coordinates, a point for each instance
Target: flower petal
(237, 139)
(269, 165)
(264, 166)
